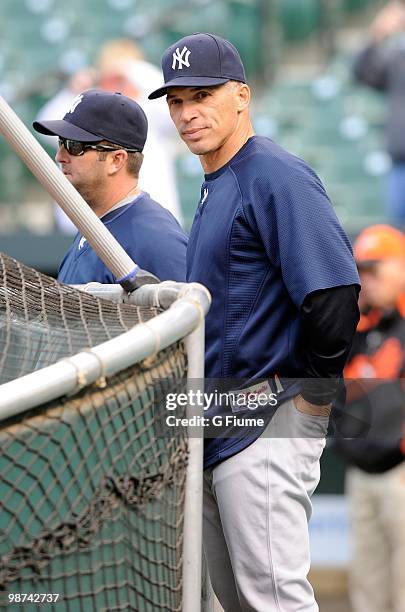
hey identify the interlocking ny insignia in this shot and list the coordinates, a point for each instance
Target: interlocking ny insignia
(181, 58)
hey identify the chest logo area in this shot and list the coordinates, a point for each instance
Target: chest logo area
(81, 243)
(180, 58)
(204, 197)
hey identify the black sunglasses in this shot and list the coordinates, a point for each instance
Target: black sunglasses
(76, 148)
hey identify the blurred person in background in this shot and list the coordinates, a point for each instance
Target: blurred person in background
(375, 482)
(381, 65)
(134, 78)
(120, 66)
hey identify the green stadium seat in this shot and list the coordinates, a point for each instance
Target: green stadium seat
(299, 18)
(357, 5)
(11, 174)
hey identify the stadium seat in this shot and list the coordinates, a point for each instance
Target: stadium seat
(299, 18)
(357, 5)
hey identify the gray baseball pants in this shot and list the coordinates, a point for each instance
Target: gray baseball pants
(256, 511)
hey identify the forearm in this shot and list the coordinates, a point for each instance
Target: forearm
(329, 319)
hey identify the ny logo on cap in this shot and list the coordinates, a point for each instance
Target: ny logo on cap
(181, 58)
(75, 103)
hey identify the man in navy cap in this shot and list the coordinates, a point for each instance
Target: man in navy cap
(101, 139)
(266, 242)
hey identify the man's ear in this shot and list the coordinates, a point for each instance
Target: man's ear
(243, 93)
(118, 160)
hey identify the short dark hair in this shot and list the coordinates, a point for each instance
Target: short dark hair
(134, 161)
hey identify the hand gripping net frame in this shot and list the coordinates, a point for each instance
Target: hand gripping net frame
(114, 477)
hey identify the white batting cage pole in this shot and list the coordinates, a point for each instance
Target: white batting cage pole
(54, 181)
(192, 547)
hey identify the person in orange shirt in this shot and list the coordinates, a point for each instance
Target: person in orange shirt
(373, 423)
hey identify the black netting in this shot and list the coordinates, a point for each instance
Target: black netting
(92, 500)
(42, 321)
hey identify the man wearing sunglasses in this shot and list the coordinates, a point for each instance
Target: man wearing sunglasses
(101, 139)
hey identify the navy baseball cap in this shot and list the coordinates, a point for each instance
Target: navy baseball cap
(97, 115)
(198, 60)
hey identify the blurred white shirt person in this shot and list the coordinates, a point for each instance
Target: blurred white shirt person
(121, 67)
